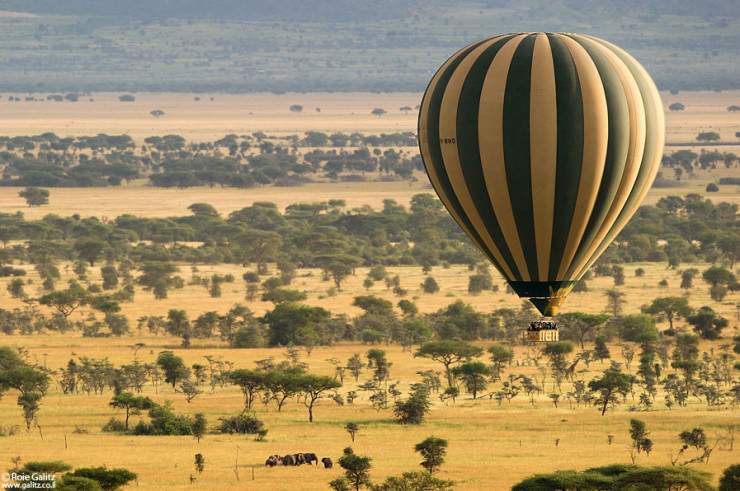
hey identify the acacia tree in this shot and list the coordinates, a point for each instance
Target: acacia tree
(556, 352)
(338, 271)
(707, 323)
(448, 352)
(601, 350)
(131, 404)
(199, 427)
(413, 409)
(178, 324)
(250, 382)
(157, 276)
(640, 441)
(356, 469)
(352, 429)
(433, 450)
(291, 323)
(173, 367)
(35, 196)
(500, 356)
(66, 301)
(719, 278)
(473, 374)
(583, 324)
(282, 385)
(615, 300)
(30, 403)
(355, 365)
(670, 306)
(609, 386)
(687, 277)
(31, 383)
(313, 388)
(90, 249)
(378, 363)
(107, 479)
(258, 246)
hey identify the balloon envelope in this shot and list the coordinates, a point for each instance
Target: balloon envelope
(541, 146)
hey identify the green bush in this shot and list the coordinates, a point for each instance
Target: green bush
(251, 277)
(412, 481)
(247, 337)
(636, 326)
(241, 423)
(165, 422)
(619, 477)
(559, 480)
(730, 479)
(412, 410)
(371, 336)
(71, 482)
(114, 425)
(109, 479)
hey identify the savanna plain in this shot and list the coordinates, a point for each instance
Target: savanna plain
(492, 444)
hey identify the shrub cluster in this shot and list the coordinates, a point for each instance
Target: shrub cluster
(242, 423)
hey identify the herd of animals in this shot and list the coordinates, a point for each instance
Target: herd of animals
(297, 459)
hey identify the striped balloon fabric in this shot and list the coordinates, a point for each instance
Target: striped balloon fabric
(541, 146)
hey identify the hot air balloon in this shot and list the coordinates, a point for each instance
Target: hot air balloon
(541, 146)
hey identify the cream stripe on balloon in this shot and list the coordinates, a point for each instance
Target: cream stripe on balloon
(490, 135)
(543, 142)
(451, 156)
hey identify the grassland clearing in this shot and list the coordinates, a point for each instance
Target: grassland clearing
(492, 446)
(201, 117)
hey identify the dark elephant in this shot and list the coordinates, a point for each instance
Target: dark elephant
(299, 459)
(289, 460)
(327, 463)
(310, 458)
(273, 460)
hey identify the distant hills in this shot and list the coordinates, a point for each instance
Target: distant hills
(334, 45)
(343, 10)
(272, 10)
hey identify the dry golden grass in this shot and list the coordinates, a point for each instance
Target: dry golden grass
(210, 119)
(453, 281)
(216, 115)
(148, 201)
(491, 446)
(704, 111)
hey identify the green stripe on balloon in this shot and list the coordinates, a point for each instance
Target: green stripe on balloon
(469, 149)
(516, 148)
(569, 150)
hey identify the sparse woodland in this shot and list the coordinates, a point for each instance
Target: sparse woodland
(276, 354)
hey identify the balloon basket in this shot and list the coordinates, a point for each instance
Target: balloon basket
(542, 332)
